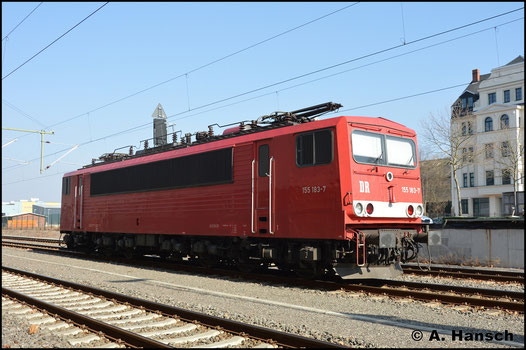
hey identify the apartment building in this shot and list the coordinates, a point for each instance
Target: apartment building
(490, 114)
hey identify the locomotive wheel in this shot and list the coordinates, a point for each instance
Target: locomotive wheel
(129, 253)
(207, 261)
(108, 252)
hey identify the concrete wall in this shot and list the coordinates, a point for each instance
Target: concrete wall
(485, 246)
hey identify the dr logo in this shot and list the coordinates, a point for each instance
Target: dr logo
(364, 187)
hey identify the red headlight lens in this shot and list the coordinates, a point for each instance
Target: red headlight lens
(369, 209)
(410, 210)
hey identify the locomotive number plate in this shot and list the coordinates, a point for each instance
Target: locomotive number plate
(313, 189)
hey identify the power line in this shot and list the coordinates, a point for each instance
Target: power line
(345, 62)
(287, 80)
(54, 41)
(327, 68)
(15, 108)
(147, 125)
(203, 66)
(303, 75)
(334, 112)
(12, 30)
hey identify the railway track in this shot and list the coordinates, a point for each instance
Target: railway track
(428, 292)
(467, 273)
(133, 322)
(435, 271)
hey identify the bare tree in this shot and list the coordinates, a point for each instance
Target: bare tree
(436, 182)
(450, 137)
(510, 159)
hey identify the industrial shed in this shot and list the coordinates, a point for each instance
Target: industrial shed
(23, 221)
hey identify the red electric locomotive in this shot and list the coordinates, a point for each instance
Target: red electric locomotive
(340, 195)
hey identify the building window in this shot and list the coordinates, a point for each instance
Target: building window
(465, 180)
(470, 128)
(490, 178)
(506, 177)
(508, 203)
(506, 96)
(470, 155)
(480, 206)
(464, 129)
(470, 103)
(492, 98)
(505, 148)
(463, 102)
(504, 121)
(489, 150)
(518, 94)
(464, 203)
(471, 180)
(488, 124)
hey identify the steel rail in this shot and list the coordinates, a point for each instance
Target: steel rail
(32, 239)
(282, 338)
(31, 246)
(66, 320)
(467, 269)
(473, 274)
(496, 293)
(371, 286)
(409, 268)
(98, 326)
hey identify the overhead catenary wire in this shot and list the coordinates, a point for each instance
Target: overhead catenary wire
(12, 30)
(316, 71)
(287, 80)
(352, 60)
(203, 66)
(15, 108)
(54, 41)
(329, 113)
(303, 75)
(136, 128)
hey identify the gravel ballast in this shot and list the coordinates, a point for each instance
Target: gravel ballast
(350, 319)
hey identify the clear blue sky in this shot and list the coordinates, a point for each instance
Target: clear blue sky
(127, 47)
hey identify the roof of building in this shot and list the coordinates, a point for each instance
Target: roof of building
(11, 216)
(48, 205)
(473, 87)
(519, 59)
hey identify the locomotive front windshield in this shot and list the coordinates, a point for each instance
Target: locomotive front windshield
(380, 149)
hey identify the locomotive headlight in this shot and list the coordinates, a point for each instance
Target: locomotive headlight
(358, 209)
(410, 210)
(419, 210)
(369, 209)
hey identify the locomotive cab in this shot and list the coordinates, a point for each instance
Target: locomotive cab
(382, 199)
